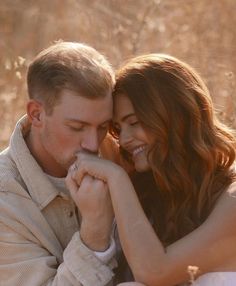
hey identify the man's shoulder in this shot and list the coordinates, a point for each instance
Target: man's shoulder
(8, 170)
(6, 162)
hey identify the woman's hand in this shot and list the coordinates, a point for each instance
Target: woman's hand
(98, 168)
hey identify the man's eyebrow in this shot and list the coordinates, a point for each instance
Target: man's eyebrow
(73, 120)
(107, 121)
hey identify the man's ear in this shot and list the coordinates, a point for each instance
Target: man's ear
(35, 111)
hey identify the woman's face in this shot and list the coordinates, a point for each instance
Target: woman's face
(132, 136)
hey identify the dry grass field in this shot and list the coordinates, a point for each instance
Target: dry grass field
(201, 32)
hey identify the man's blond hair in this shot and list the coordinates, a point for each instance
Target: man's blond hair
(68, 65)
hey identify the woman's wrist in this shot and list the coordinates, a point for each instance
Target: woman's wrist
(117, 176)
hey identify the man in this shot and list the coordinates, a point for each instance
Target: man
(44, 239)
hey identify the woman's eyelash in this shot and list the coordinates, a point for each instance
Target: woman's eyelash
(134, 123)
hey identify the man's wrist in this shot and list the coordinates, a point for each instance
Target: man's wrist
(94, 237)
(108, 254)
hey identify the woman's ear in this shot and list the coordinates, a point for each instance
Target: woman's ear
(35, 112)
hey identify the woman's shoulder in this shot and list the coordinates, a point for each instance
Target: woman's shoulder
(216, 279)
(224, 211)
(228, 197)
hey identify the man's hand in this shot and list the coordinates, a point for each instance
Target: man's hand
(93, 201)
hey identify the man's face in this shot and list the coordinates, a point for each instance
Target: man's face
(76, 123)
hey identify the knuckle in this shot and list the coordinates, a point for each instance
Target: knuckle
(86, 181)
(100, 185)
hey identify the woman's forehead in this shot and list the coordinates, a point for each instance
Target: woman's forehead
(122, 107)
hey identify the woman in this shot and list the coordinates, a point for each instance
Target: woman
(179, 210)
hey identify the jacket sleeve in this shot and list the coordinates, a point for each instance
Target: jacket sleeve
(24, 261)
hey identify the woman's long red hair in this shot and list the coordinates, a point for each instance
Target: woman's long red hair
(192, 158)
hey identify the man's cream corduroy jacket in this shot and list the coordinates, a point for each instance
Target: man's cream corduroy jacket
(30, 252)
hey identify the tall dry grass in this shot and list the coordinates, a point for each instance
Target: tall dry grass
(201, 32)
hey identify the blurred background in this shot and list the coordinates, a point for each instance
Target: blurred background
(200, 32)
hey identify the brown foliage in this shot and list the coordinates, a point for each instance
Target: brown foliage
(201, 32)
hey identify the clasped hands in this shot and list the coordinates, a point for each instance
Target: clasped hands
(87, 181)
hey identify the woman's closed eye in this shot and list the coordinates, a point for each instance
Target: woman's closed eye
(134, 123)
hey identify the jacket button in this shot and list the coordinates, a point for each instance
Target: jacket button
(70, 214)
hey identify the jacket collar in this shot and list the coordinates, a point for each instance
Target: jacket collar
(38, 184)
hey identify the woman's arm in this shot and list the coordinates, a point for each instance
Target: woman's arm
(211, 247)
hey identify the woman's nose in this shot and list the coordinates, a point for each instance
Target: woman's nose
(125, 137)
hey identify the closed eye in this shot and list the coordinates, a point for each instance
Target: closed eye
(134, 123)
(76, 129)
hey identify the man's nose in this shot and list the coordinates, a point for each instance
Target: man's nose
(90, 142)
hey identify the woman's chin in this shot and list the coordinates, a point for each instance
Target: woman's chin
(141, 167)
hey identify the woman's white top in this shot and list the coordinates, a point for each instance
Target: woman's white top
(216, 279)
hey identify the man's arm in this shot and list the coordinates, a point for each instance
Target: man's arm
(26, 259)
(24, 262)
(93, 201)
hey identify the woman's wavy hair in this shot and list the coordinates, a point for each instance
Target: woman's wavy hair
(193, 155)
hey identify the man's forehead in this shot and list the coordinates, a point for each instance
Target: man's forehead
(76, 108)
(71, 98)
